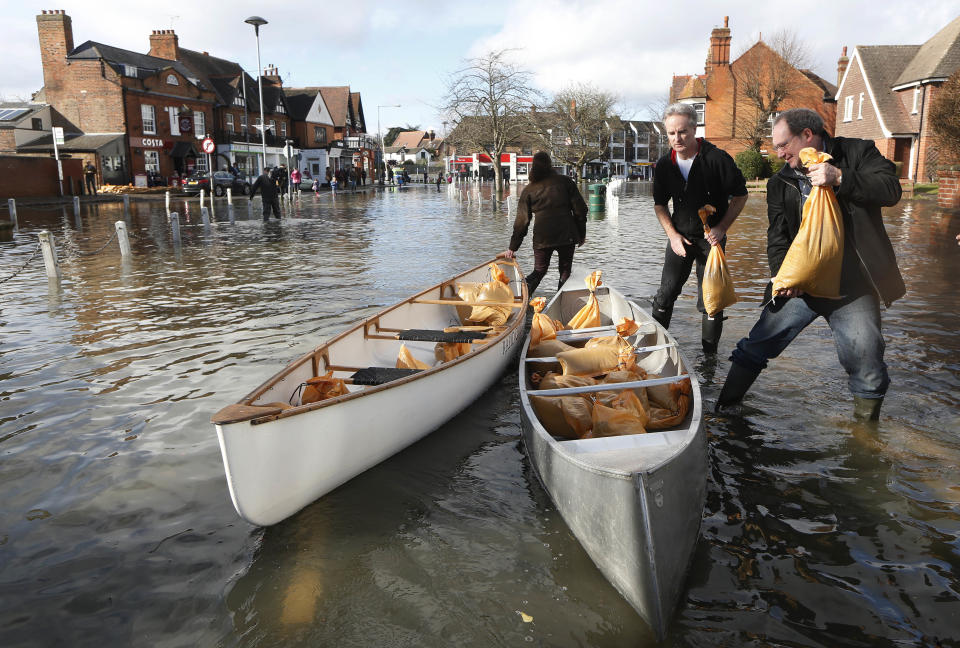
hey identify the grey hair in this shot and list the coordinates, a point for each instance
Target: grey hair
(685, 109)
(798, 119)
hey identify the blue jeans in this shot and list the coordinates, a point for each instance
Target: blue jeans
(855, 322)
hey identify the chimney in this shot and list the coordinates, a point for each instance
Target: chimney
(719, 53)
(842, 63)
(55, 30)
(272, 75)
(573, 108)
(164, 44)
(431, 136)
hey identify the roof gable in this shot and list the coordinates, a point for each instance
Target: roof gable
(337, 100)
(124, 61)
(938, 58)
(881, 65)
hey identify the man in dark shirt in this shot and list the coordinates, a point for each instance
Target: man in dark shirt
(268, 190)
(694, 174)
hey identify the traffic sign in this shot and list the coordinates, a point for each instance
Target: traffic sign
(58, 135)
(207, 145)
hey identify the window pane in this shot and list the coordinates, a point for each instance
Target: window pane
(147, 115)
(151, 161)
(200, 124)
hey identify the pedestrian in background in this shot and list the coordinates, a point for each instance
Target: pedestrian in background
(295, 178)
(90, 173)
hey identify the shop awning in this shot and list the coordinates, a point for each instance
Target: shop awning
(183, 149)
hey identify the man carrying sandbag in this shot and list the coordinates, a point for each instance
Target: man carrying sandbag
(863, 181)
(694, 174)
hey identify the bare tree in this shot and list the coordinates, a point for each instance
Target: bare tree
(575, 128)
(765, 75)
(488, 99)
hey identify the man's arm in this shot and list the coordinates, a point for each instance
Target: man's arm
(520, 224)
(676, 239)
(718, 231)
(872, 181)
(579, 208)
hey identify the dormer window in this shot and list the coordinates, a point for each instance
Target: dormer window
(172, 80)
(280, 109)
(129, 70)
(238, 100)
(916, 100)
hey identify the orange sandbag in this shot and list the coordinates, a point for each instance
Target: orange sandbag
(447, 351)
(405, 360)
(590, 362)
(542, 327)
(625, 415)
(669, 404)
(321, 388)
(630, 375)
(627, 327)
(495, 291)
(563, 416)
(589, 315)
(717, 287)
(815, 257)
(549, 349)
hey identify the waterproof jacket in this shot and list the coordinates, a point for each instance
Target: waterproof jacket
(869, 182)
(265, 185)
(713, 178)
(557, 209)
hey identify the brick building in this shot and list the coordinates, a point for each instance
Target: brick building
(729, 117)
(886, 92)
(313, 129)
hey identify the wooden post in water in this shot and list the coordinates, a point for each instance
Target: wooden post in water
(123, 238)
(49, 249)
(230, 196)
(12, 206)
(175, 227)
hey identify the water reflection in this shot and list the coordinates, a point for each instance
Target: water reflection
(116, 521)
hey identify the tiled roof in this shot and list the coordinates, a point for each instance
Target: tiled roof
(829, 90)
(678, 84)
(882, 65)
(299, 102)
(72, 142)
(939, 57)
(337, 98)
(410, 139)
(693, 88)
(117, 58)
(214, 72)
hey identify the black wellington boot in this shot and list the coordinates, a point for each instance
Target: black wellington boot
(866, 409)
(738, 382)
(661, 313)
(710, 332)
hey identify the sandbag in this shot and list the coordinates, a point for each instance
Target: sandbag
(589, 362)
(589, 315)
(549, 349)
(447, 351)
(814, 260)
(630, 375)
(542, 327)
(495, 291)
(625, 415)
(405, 360)
(669, 404)
(321, 388)
(568, 417)
(717, 287)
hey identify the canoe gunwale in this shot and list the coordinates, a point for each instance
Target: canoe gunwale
(519, 320)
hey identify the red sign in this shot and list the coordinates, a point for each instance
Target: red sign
(208, 146)
(186, 123)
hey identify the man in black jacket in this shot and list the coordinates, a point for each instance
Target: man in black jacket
(863, 181)
(268, 190)
(694, 174)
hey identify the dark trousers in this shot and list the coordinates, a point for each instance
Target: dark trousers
(676, 270)
(91, 184)
(271, 204)
(541, 263)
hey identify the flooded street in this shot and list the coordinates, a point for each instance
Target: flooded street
(117, 529)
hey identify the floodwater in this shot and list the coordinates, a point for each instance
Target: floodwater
(116, 527)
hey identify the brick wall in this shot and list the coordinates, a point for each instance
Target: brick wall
(948, 195)
(23, 177)
(864, 124)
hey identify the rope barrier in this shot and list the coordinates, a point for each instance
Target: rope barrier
(36, 251)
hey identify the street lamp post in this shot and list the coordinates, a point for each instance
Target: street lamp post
(256, 21)
(383, 163)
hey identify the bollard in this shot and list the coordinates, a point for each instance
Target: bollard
(126, 207)
(49, 248)
(175, 227)
(123, 238)
(230, 213)
(168, 204)
(230, 196)
(205, 216)
(250, 208)
(76, 208)
(202, 196)
(12, 206)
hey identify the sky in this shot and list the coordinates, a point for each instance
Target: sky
(404, 53)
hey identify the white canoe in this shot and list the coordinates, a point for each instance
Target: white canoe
(633, 502)
(279, 460)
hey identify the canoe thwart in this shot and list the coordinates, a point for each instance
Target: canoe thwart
(240, 412)
(587, 389)
(380, 375)
(426, 335)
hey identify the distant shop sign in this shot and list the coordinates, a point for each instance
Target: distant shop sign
(147, 142)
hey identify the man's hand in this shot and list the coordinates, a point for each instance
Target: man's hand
(677, 242)
(789, 292)
(508, 254)
(824, 174)
(716, 234)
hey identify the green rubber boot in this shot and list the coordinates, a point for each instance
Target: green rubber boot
(866, 409)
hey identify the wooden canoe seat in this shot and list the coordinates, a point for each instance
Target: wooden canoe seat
(380, 375)
(240, 412)
(425, 335)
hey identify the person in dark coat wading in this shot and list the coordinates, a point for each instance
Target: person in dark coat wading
(269, 193)
(559, 213)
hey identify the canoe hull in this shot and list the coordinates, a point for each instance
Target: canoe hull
(638, 523)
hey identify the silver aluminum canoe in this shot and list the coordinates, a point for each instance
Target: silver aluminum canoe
(279, 460)
(634, 502)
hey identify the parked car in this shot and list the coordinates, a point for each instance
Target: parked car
(221, 180)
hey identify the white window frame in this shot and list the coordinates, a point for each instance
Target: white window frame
(701, 109)
(916, 100)
(172, 80)
(228, 126)
(860, 107)
(201, 165)
(243, 123)
(148, 115)
(280, 109)
(283, 129)
(848, 108)
(151, 160)
(238, 100)
(174, 113)
(199, 124)
(273, 126)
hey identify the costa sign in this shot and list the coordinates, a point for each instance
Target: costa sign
(147, 142)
